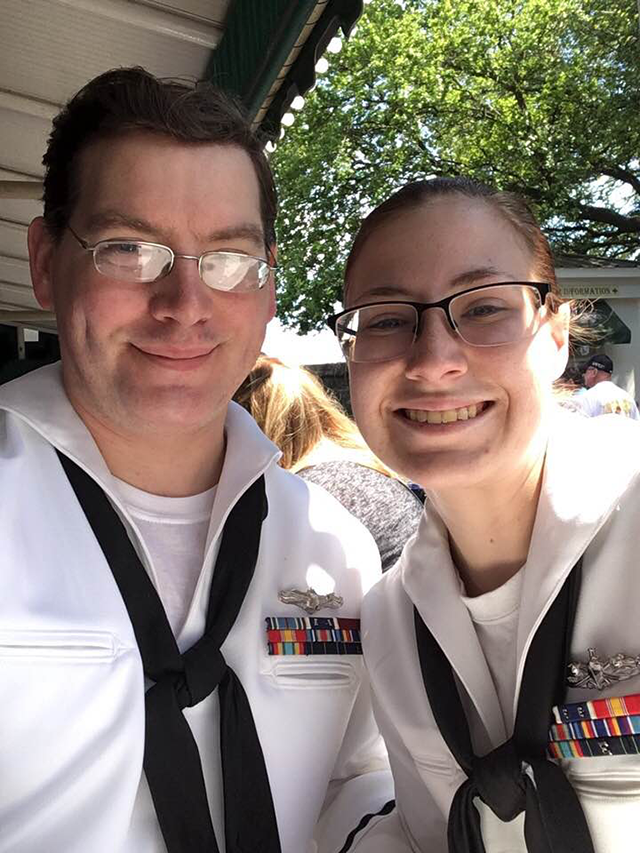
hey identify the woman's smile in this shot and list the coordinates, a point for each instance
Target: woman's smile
(450, 416)
(445, 416)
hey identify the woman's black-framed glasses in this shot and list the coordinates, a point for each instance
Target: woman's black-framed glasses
(487, 316)
(141, 261)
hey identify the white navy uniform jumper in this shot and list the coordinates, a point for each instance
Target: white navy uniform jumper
(72, 689)
(589, 505)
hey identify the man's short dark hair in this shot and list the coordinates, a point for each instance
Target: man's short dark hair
(131, 99)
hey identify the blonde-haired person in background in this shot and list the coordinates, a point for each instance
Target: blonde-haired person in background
(320, 443)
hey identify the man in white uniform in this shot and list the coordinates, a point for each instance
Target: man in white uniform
(150, 542)
(603, 396)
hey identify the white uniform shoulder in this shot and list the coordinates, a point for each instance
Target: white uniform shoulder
(615, 438)
(387, 615)
(586, 429)
(309, 510)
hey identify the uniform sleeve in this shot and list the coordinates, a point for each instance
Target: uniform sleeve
(361, 781)
(362, 784)
(383, 811)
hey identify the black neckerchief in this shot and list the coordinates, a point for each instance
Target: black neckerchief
(554, 820)
(171, 758)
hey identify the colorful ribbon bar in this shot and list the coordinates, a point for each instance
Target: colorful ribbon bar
(313, 635)
(598, 709)
(591, 729)
(595, 747)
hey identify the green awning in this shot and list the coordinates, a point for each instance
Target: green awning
(606, 326)
(269, 50)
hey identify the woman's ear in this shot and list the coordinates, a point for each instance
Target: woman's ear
(559, 323)
(41, 246)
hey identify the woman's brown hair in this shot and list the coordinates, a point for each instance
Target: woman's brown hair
(510, 206)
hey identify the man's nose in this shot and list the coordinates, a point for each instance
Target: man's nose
(438, 352)
(182, 296)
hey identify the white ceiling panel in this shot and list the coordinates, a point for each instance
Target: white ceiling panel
(12, 297)
(13, 241)
(16, 296)
(50, 48)
(213, 11)
(19, 212)
(15, 271)
(23, 139)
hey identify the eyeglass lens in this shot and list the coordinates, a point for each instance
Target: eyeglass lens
(228, 271)
(129, 261)
(146, 262)
(488, 317)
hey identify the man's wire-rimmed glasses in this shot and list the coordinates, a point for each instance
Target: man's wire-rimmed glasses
(141, 261)
(487, 316)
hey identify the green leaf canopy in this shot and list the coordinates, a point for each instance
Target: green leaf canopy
(537, 96)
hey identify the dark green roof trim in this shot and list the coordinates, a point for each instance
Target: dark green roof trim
(257, 39)
(604, 325)
(259, 36)
(338, 14)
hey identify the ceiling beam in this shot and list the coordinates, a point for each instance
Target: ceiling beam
(17, 103)
(151, 19)
(21, 189)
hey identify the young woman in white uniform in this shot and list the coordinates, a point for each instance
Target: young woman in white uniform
(516, 604)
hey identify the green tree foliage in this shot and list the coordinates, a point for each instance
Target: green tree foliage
(537, 96)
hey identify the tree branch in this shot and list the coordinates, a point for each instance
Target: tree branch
(625, 224)
(623, 175)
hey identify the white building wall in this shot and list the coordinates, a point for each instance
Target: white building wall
(621, 288)
(626, 357)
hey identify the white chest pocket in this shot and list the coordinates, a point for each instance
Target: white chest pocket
(57, 646)
(605, 777)
(315, 673)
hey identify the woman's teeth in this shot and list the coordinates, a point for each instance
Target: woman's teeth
(448, 416)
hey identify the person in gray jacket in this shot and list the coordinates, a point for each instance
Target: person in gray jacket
(321, 444)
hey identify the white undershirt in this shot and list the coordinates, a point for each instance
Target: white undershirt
(175, 532)
(495, 618)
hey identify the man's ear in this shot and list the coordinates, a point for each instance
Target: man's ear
(273, 257)
(41, 249)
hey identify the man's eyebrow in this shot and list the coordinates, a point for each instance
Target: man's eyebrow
(115, 219)
(244, 231)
